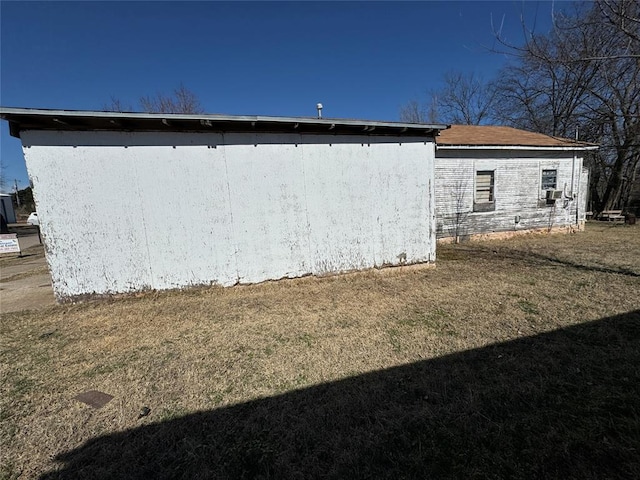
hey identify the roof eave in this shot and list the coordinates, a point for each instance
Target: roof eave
(37, 119)
(518, 147)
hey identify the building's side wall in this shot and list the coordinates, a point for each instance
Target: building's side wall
(123, 212)
(518, 192)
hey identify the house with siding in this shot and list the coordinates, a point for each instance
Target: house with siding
(136, 201)
(501, 181)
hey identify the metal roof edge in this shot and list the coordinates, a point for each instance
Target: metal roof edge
(19, 116)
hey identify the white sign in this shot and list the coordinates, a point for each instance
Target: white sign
(9, 243)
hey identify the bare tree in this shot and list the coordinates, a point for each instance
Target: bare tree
(584, 75)
(458, 218)
(624, 15)
(413, 112)
(181, 100)
(116, 105)
(416, 112)
(465, 99)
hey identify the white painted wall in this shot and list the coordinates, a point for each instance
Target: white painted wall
(517, 177)
(121, 212)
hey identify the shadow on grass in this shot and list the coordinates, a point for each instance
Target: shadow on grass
(538, 259)
(564, 404)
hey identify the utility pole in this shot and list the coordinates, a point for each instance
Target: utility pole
(15, 184)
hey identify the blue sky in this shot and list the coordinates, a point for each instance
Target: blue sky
(360, 59)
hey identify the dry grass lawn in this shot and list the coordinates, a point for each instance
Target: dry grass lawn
(511, 359)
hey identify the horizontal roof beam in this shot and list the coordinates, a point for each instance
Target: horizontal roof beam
(39, 119)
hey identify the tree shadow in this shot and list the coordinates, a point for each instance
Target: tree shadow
(538, 259)
(563, 404)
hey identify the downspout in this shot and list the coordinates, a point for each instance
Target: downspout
(576, 196)
(573, 166)
(573, 175)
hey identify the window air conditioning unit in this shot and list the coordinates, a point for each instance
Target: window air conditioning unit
(554, 194)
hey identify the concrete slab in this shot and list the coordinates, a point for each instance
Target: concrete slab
(28, 241)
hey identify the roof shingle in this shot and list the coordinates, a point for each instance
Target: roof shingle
(489, 135)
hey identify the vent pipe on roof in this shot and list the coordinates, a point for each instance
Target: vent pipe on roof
(319, 107)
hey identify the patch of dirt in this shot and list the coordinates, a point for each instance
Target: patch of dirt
(25, 283)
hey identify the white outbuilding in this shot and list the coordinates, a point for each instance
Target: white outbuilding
(136, 201)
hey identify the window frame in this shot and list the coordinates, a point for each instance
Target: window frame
(484, 205)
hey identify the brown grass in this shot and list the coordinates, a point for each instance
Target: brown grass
(398, 373)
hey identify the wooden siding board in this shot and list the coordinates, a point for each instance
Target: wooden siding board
(517, 191)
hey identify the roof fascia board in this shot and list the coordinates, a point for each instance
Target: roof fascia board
(14, 115)
(517, 147)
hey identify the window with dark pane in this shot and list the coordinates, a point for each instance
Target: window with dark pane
(549, 179)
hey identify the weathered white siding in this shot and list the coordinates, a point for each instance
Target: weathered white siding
(122, 212)
(518, 192)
